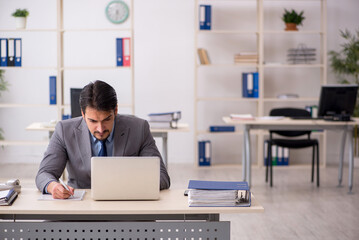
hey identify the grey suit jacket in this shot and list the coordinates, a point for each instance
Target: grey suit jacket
(70, 147)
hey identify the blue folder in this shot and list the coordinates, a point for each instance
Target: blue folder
(218, 185)
(52, 90)
(119, 52)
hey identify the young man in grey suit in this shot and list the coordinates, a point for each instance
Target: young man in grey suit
(99, 132)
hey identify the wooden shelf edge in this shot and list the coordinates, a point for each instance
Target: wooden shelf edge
(23, 143)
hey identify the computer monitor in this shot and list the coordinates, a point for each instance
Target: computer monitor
(337, 102)
(75, 102)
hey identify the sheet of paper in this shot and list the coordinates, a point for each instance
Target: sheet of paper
(78, 196)
(4, 193)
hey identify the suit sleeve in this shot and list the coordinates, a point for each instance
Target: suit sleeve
(54, 160)
(149, 148)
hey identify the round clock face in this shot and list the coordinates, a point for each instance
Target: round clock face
(117, 11)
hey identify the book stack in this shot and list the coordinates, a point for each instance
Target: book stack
(166, 120)
(246, 57)
(218, 194)
(7, 197)
(301, 55)
(203, 56)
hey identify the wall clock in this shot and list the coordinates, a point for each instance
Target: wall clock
(117, 11)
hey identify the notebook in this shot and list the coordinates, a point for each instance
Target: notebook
(125, 178)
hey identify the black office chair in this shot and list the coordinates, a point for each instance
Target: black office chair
(291, 143)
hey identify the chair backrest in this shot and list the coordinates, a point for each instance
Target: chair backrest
(290, 112)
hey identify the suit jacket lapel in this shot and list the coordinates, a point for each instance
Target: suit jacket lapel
(120, 138)
(82, 137)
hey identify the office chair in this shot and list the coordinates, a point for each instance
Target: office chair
(291, 143)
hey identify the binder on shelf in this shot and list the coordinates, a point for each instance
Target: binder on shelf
(205, 17)
(119, 52)
(202, 17)
(126, 52)
(3, 52)
(255, 84)
(11, 52)
(218, 193)
(274, 155)
(247, 85)
(52, 84)
(250, 85)
(286, 156)
(280, 155)
(222, 128)
(18, 51)
(265, 152)
(204, 153)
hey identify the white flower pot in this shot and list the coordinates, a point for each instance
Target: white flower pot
(20, 22)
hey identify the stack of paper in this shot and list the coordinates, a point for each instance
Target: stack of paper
(7, 197)
(241, 116)
(164, 120)
(218, 194)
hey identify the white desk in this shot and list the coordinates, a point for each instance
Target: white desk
(290, 124)
(162, 133)
(168, 218)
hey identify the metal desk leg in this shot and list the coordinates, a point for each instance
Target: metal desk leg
(244, 157)
(248, 154)
(351, 158)
(164, 136)
(341, 158)
(164, 148)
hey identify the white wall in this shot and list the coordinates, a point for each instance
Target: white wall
(164, 64)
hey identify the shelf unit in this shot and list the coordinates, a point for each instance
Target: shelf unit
(263, 11)
(60, 68)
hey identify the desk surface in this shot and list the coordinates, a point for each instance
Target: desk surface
(45, 126)
(289, 121)
(171, 201)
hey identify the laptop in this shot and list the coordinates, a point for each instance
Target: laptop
(125, 178)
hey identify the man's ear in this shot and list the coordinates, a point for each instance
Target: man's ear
(83, 114)
(116, 110)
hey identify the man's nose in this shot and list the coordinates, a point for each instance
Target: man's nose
(100, 127)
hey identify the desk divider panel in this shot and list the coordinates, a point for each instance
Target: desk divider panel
(92, 230)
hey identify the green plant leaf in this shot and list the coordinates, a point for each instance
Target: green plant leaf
(345, 62)
(20, 13)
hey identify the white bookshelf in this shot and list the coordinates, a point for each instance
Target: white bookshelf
(60, 69)
(263, 32)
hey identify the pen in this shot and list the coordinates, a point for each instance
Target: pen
(64, 185)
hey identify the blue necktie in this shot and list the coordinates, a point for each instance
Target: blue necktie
(103, 151)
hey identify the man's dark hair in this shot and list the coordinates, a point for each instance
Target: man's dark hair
(98, 95)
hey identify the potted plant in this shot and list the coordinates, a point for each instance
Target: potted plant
(345, 62)
(3, 87)
(20, 17)
(292, 19)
